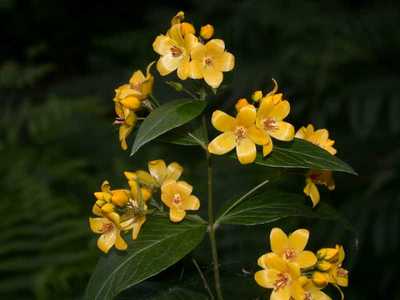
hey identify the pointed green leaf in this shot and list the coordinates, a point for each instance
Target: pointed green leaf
(274, 205)
(166, 117)
(159, 245)
(302, 154)
(191, 134)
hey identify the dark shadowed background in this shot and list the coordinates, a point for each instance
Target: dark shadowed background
(336, 61)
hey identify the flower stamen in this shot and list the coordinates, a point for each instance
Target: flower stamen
(176, 52)
(269, 124)
(240, 133)
(282, 281)
(177, 199)
(289, 254)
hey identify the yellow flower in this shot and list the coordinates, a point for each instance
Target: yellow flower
(139, 88)
(209, 61)
(339, 275)
(177, 195)
(207, 31)
(103, 206)
(272, 96)
(315, 177)
(281, 276)
(174, 48)
(240, 133)
(271, 113)
(318, 137)
(110, 234)
(292, 248)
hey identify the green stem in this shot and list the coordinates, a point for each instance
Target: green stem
(211, 229)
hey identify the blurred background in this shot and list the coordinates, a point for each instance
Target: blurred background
(60, 61)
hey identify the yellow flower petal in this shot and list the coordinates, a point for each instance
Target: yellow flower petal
(137, 226)
(131, 102)
(283, 132)
(120, 243)
(184, 188)
(176, 215)
(107, 240)
(274, 261)
(175, 34)
(105, 186)
(283, 293)
(198, 52)
(137, 78)
(222, 121)
(298, 239)
(261, 261)
(246, 151)
(257, 135)
(267, 148)
(158, 169)
(96, 210)
(183, 68)
(163, 44)
(225, 62)
(311, 190)
(306, 259)
(174, 171)
(246, 116)
(195, 69)
(280, 111)
(215, 47)
(279, 241)
(167, 64)
(124, 131)
(191, 42)
(222, 144)
(191, 203)
(266, 278)
(99, 225)
(213, 77)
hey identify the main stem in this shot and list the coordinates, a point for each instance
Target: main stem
(211, 220)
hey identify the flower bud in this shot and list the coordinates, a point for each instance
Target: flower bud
(131, 102)
(327, 253)
(176, 85)
(107, 208)
(119, 197)
(187, 28)
(241, 103)
(207, 31)
(256, 96)
(179, 17)
(323, 265)
(320, 279)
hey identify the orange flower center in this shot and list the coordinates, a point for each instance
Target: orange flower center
(289, 254)
(107, 227)
(208, 61)
(269, 124)
(282, 281)
(177, 199)
(240, 133)
(176, 52)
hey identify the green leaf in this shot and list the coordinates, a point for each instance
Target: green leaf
(191, 134)
(302, 154)
(159, 245)
(273, 205)
(166, 117)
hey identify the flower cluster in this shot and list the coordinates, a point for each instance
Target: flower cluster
(320, 138)
(122, 210)
(129, 98)
(293, 273)
(192, 56)
(255, 124)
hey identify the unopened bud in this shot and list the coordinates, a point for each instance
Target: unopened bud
(241, 103)
(320, 279)
(207, 31)
(176, 85)
(187, 28)
(256, 96)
